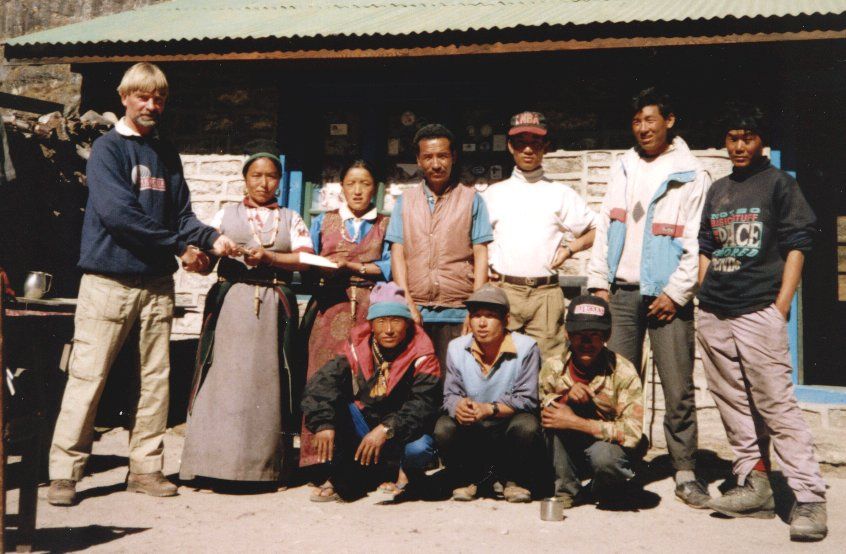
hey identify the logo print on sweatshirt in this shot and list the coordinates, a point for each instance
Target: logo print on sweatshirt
(739, 234)
(143, 178)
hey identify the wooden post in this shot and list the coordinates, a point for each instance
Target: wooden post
(2, 417)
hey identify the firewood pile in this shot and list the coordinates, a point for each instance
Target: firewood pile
(41, 211)
(63, 142)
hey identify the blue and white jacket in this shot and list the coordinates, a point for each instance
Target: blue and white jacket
(670, 257)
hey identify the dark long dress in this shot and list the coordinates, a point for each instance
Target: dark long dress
(244, 396)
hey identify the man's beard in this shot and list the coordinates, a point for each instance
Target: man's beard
(146, 121)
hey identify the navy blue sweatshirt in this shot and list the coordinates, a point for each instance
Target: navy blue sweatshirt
(138, 217)
(750, 221)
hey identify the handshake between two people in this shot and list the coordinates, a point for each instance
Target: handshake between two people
(197, 261)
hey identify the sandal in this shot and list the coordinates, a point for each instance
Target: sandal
(391, 488)
(319, 494)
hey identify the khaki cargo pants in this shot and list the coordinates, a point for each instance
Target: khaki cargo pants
(107, 309)
(539, 313)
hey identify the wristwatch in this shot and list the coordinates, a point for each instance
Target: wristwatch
(389, 432)
(495, 409)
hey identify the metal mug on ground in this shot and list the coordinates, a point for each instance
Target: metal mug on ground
(37, 284)
(552, 509)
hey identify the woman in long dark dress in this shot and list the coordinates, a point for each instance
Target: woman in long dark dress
(243, 403)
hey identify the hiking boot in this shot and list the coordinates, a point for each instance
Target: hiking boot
(516, 494)
(153, 484)
(62, 492)
(465, 494)
(808, 521)
(753, 499)
(694, 494)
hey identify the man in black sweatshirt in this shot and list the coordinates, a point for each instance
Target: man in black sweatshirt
(138, 220)
(756, 227)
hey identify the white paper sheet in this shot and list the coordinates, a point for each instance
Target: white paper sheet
(319, 261)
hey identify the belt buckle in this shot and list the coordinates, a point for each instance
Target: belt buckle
(531, 281)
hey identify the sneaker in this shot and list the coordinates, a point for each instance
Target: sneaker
(693, 493)
(753, 499)
(465, 494)
(154, 484)
(808, 521)
(516, 494)
(62, 492)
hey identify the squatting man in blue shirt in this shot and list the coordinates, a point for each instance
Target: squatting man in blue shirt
(490, 432)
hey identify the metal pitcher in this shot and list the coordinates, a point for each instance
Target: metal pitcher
(37, 284)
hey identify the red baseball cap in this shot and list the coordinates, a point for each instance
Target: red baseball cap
(528, 122)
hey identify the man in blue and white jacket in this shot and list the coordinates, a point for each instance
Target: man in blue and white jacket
(644, 263)
(138, 221)
(491, 400)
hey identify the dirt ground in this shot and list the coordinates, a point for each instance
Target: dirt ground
(108, 519)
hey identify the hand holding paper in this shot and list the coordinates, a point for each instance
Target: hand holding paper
(317, 261)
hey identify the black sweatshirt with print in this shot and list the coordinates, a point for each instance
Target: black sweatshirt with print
(751, 220)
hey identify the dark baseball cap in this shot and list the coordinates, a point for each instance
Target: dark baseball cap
(528, 122)
(588, 313)
(489, 295)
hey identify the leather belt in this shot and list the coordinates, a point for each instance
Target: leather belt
(625, 287)
(353, 281)
(259, 282)
(528, 281)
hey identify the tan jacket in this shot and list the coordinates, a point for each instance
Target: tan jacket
(618, 399)
(438, 250)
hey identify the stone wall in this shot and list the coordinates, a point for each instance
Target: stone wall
(214, 180)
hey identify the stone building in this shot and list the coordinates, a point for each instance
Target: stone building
(334, 80)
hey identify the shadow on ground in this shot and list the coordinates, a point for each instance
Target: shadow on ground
(102, 463)
(709, 467)
(75, 539)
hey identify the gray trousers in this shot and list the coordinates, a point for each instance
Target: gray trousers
(673, 350)
(576, 456)
(747, 364)
(512, 445)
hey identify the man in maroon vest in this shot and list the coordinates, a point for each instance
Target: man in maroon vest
(439, 233)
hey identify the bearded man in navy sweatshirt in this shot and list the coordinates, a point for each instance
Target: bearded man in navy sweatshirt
(138, 220)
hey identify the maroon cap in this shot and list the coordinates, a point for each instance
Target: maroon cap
(528, 122)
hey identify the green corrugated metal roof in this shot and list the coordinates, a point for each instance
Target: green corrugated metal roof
(188, 20)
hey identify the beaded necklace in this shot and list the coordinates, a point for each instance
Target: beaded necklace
(254, 221)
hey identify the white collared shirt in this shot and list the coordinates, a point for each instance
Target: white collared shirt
(124, 129)
(346, 215)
